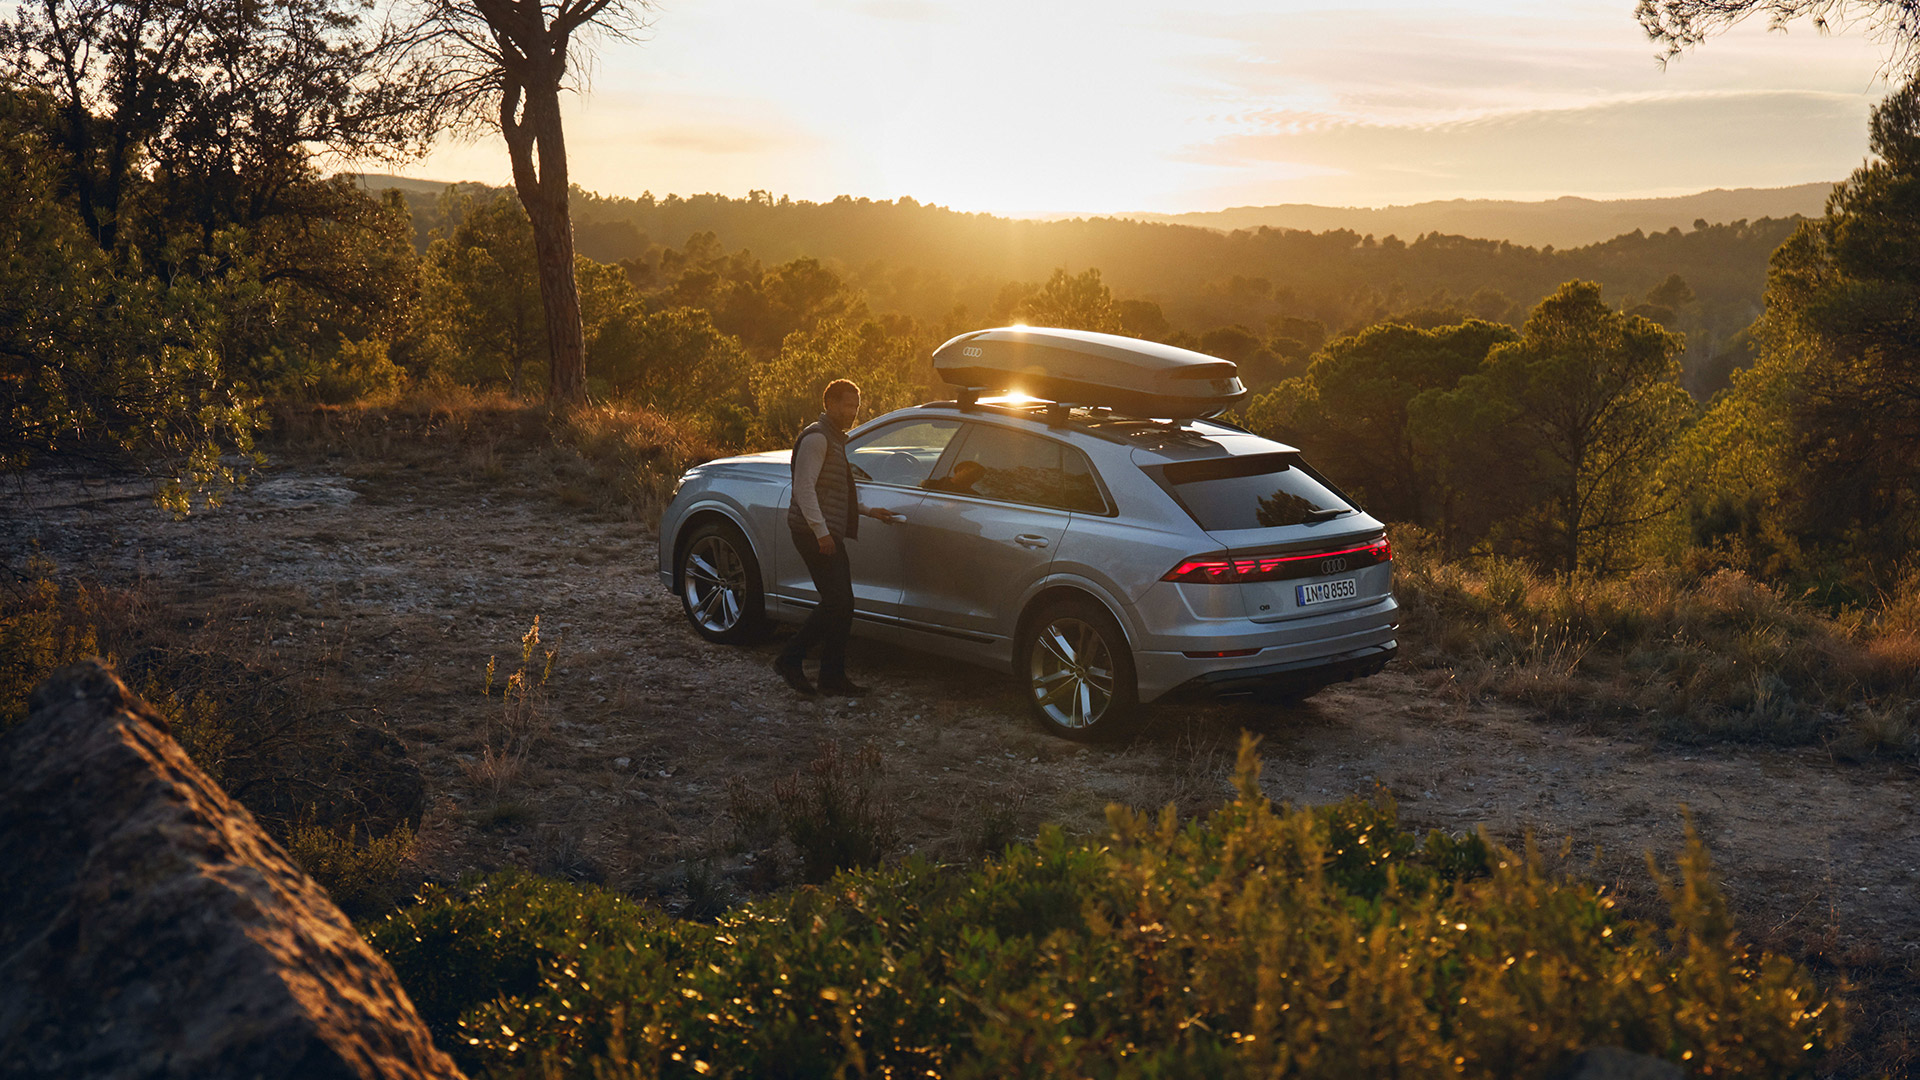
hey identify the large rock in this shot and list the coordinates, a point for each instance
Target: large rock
(148, 928)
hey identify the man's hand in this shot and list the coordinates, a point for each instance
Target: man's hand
(883, 514)
(826, 544)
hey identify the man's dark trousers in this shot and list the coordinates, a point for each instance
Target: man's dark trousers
(831, 622)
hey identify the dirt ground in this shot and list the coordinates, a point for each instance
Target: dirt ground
(392, 587)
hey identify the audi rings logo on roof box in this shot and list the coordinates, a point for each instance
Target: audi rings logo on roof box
(1332, 566)
(972, 350)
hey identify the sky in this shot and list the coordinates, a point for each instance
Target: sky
(1106, 106)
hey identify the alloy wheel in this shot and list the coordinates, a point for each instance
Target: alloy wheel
(1071, 673)
(716, 584)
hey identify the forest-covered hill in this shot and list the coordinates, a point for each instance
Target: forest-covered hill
(1568, 221)
(939, 265)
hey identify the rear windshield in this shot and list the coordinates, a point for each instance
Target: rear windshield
(1258, 491)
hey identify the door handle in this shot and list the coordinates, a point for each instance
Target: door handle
(897, 519)
(1029, 540)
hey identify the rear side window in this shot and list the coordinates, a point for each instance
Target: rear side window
(1258, 491)
(1013, 466)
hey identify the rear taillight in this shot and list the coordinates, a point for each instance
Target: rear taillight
(1248, 568)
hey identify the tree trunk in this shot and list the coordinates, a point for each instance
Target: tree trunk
(543, 192)
(1572, 511)
(566, 337)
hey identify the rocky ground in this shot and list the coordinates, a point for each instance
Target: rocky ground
(392, 586)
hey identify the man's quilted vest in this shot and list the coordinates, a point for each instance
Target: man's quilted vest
(835, 489)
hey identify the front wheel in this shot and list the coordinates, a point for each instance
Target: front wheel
(1078, 671)
(720, 585)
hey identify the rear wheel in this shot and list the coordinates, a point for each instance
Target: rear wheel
(720, 585)
(1078, 671)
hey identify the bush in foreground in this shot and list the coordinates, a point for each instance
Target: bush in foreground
(1259, 941)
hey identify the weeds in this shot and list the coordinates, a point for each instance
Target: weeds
(522, 720)
(504, 816)
(358, 873)
(614, 458)
(707, 897)
(238, 724)
(999, 827)
(1715, 658)
(563, 854)
(43, 628)
(833, 813)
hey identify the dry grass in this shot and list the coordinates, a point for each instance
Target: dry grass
(1713, 658)
(520, 723)
(306, 767)
(610, 458)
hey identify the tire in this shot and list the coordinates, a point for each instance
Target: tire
(1078, 671)
(720, 585)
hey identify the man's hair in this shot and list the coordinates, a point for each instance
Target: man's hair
(838, 388)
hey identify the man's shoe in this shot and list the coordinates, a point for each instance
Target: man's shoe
(842, 687)
(795, 677)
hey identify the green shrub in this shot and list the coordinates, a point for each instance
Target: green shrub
(42, 628)
(348, 371)
(497, 939)
(356, 868)
(1259, 941)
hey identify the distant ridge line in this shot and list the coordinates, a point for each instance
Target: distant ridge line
(1570, 221)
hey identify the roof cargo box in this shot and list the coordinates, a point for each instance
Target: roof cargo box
(1139, 378)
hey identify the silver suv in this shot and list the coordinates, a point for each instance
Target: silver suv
(1104, 561)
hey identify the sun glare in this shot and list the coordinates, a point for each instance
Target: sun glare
(1013, 399)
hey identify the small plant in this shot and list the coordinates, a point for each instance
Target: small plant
(999, 826)
(43, 628)
(522, 720)
(832, 812)
(356, 868)
(504, 816)
(198, 722)
(707, 897)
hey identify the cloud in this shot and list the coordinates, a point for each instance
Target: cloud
(1400, 64)
(1663, 142)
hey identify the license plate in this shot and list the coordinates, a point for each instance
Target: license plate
(1321, 592)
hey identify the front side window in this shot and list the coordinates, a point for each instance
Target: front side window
(1014, 466)
(1257, 491)
(903, 454)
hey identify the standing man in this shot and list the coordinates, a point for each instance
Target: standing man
(823, 516)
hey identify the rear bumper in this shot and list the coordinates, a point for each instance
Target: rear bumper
(1325, 649)
(1300, 674)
